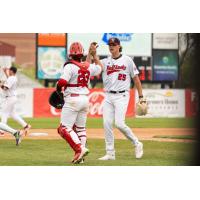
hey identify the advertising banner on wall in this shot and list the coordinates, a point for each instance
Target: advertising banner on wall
(191, 103)
(165, 103)
(96, 99)
(165, 65)
(51, 39)
(24, 106)
(134, 44)
(50, 62)
(165, 41)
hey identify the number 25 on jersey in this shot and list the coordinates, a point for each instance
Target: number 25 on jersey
(122, 77)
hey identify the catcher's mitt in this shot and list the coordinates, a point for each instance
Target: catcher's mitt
(141, 107)
(56, 99)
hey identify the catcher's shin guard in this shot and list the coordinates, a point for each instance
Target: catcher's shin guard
(71, 138)
(81, 132)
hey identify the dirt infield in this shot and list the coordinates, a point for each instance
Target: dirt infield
(142, 133)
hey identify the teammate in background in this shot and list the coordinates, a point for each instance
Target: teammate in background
(17, 134)
(74, 80)
(118, 69)
(10, 99)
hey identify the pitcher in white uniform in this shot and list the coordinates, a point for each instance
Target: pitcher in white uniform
(75, 79)
(118, 70)
(10, 99)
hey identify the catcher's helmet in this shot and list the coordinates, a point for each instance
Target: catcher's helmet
(76, 49)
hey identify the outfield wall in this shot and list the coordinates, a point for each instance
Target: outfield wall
(161, 103)
(41, 107)
(165, 103)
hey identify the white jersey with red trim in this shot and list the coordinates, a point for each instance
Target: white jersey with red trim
(11, 84)
(117, 73)
(74, 75)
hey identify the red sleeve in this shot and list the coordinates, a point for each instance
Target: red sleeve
(61, 83)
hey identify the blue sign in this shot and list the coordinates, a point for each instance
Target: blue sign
(165, 65)
(123, 37)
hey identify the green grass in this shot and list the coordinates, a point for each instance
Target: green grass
(185, 137)
(58, 153)
(47, 123)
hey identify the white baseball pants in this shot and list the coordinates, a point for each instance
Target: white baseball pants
(114, 110)
(8, 110)
(74, 116)
(5, 127)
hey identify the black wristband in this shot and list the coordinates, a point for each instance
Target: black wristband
(140, 96)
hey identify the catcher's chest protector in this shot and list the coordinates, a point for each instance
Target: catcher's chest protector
(83, 72)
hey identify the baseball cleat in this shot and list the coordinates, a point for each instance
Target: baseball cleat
(26, 129)
(82, 161)
(107, 157)
(80, 155)
(18, 137)
(139, 150)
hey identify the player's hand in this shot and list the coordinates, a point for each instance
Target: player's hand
(142, 100)
(93, 49)
(2, 83)
(141, 107)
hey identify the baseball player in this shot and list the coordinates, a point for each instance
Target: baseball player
(17, 134)
(75, 79)
(118, 69)
(10, 99)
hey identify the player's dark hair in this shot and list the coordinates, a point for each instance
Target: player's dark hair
(120, 49)
(13, 69)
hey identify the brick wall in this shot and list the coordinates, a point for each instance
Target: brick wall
(25, 47)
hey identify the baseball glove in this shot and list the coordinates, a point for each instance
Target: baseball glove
(141, 107)
(56, 99)
(93, 48)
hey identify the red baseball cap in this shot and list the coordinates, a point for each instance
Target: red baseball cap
(114, 41)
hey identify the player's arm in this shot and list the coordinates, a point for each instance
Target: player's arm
(138, 86)
(89, 58)
(97, 61)
(5, 70)
(4, 87)
(91, 52)
(64, 79)
(134, 73)
(62, 83)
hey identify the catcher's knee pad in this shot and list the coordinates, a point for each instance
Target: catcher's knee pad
(63, 130)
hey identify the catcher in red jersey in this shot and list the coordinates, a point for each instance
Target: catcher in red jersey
(74, 82)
